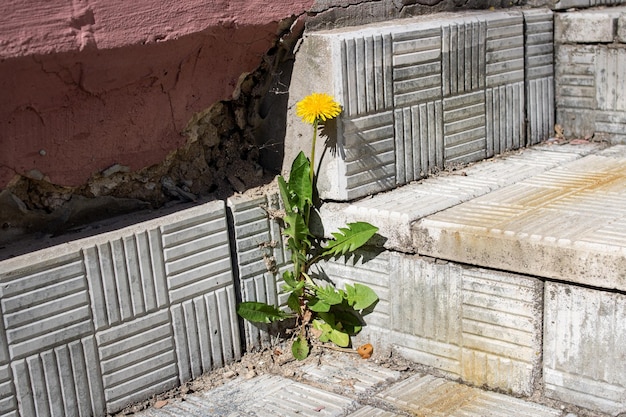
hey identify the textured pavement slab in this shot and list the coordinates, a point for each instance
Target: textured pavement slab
(567, 223)
(321, 393)
(394, 212)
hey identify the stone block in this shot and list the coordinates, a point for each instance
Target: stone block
(621, 28)
(427, 395)
(597, 26)
(585, 347)
(549, 225)
(539, 66)
(206, 333)
(64, 380)
(137, 359)
(261, 257)
(414, 98)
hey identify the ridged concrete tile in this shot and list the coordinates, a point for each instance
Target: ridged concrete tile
(45, 304)
(420, 94)
(352, 375)
(197, 253)
(137, 359)
(539, 56)
(427, 395)
(369, 411)
(501, 330)
(393, 212)
(206, 333)
(87, 326)
(585, 347)
(8, 401)
(60, 381)
(263, 396)
(126, 277)
(566, 223)
(261, 256)
(479, 325)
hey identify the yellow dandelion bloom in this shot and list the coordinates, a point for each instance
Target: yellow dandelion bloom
(317, 107)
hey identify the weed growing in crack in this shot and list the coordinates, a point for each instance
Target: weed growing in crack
(321, 312)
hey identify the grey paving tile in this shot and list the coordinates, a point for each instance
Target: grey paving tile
(137, 359)
(352, 375)
(585, 346)
(393, 212)
(427, 395)
(573, 209)
(266, 395)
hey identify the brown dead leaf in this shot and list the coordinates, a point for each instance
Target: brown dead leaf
(160, 404)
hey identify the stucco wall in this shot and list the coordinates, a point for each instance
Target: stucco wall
(87, 84)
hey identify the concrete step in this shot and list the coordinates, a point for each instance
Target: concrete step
(345, 385)
(568, 223)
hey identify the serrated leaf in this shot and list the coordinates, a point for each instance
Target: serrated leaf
(300, 348)
(349, 238)
(360, 296)
(260, 312)
(328, 294)
(297, 232)
(300, 181)
(324, 329)
(290, 281)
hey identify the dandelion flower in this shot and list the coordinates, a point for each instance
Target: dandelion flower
(317, 107)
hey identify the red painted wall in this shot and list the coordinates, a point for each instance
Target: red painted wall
(85, 84)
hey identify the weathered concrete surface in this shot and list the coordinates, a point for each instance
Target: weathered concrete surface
(422, 94)
(585, 347)
(394, 212)
(568, 223)
(590, 53)
(350, 388)
(93, 325)
(87, 85)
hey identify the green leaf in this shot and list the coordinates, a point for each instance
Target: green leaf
(349, 238)
(331, 331)
(328, 294)
(290, 281)
(293, 302)
(285, 195)
(300, 348)
(360, 296)
(260, 312)
(297, 232)
(319, 306)
(340, 338)
(300, 181)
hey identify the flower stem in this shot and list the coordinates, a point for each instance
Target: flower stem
(312, 170)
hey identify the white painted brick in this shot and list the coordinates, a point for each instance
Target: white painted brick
(585, 346)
